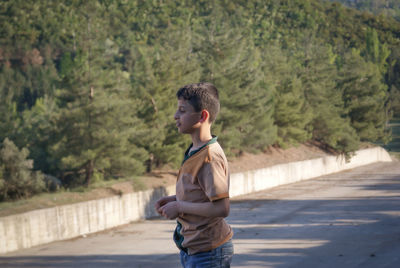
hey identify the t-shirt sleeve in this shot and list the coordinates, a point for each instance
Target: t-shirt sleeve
(213, 178)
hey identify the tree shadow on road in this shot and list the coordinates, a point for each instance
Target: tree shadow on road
(348, 232)
(92, 261)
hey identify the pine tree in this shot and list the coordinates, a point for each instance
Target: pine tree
(393, 81)
(96, 119)
(364, 97)
(231, 61)
(10, 121)
(375, 51)
(292, 115)
(329, 124)
(38, 133)
(157, 74)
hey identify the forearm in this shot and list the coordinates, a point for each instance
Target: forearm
(218, 208)
(170, 198)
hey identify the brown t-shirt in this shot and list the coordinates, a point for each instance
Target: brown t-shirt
(203, 177)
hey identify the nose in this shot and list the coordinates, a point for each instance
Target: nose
(176, 115)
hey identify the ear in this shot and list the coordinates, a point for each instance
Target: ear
(204, 116)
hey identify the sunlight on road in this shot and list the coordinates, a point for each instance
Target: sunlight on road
(247, 245)
(341, 222)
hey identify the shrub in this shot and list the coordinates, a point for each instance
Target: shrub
(17, 179)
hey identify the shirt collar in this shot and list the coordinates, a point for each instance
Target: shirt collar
(188, 155)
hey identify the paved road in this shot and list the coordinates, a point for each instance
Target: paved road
(348, 219)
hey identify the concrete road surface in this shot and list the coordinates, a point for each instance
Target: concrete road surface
(348, 219)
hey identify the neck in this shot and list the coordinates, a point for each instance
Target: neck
(200, 138)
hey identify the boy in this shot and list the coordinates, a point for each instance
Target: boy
(202, 189)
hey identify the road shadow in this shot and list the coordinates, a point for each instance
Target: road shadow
(92, 261)
(348, 232)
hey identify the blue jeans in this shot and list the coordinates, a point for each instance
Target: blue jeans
(220, 257)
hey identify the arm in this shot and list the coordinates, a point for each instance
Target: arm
(218, 208)
(213, 179)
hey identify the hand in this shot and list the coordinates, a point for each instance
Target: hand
(163, 201)
(170, 210)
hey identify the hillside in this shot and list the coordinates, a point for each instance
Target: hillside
(390, 8)
(87, 89)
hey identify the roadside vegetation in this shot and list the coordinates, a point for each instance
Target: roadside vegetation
(393, 147)
(87, 88)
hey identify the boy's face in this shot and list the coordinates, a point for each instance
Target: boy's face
(187, 119)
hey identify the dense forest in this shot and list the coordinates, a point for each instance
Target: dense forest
(378, 7)
(87, 88)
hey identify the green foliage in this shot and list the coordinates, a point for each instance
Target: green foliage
(378, 7)
(375, 51)
(37, 132)
(90, 88)
(381, 42)
(364, 97)
(17, 179)
(292, 115)
(158, 72)
(234, 64)
(95, 122)
(329, 123)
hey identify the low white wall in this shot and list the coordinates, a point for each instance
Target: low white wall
(47, 225)
(58, 223)
(260, 179)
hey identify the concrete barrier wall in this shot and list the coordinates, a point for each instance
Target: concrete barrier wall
(64, 222)
(260, 179)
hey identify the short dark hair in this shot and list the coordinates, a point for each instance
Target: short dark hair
(201, 96)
